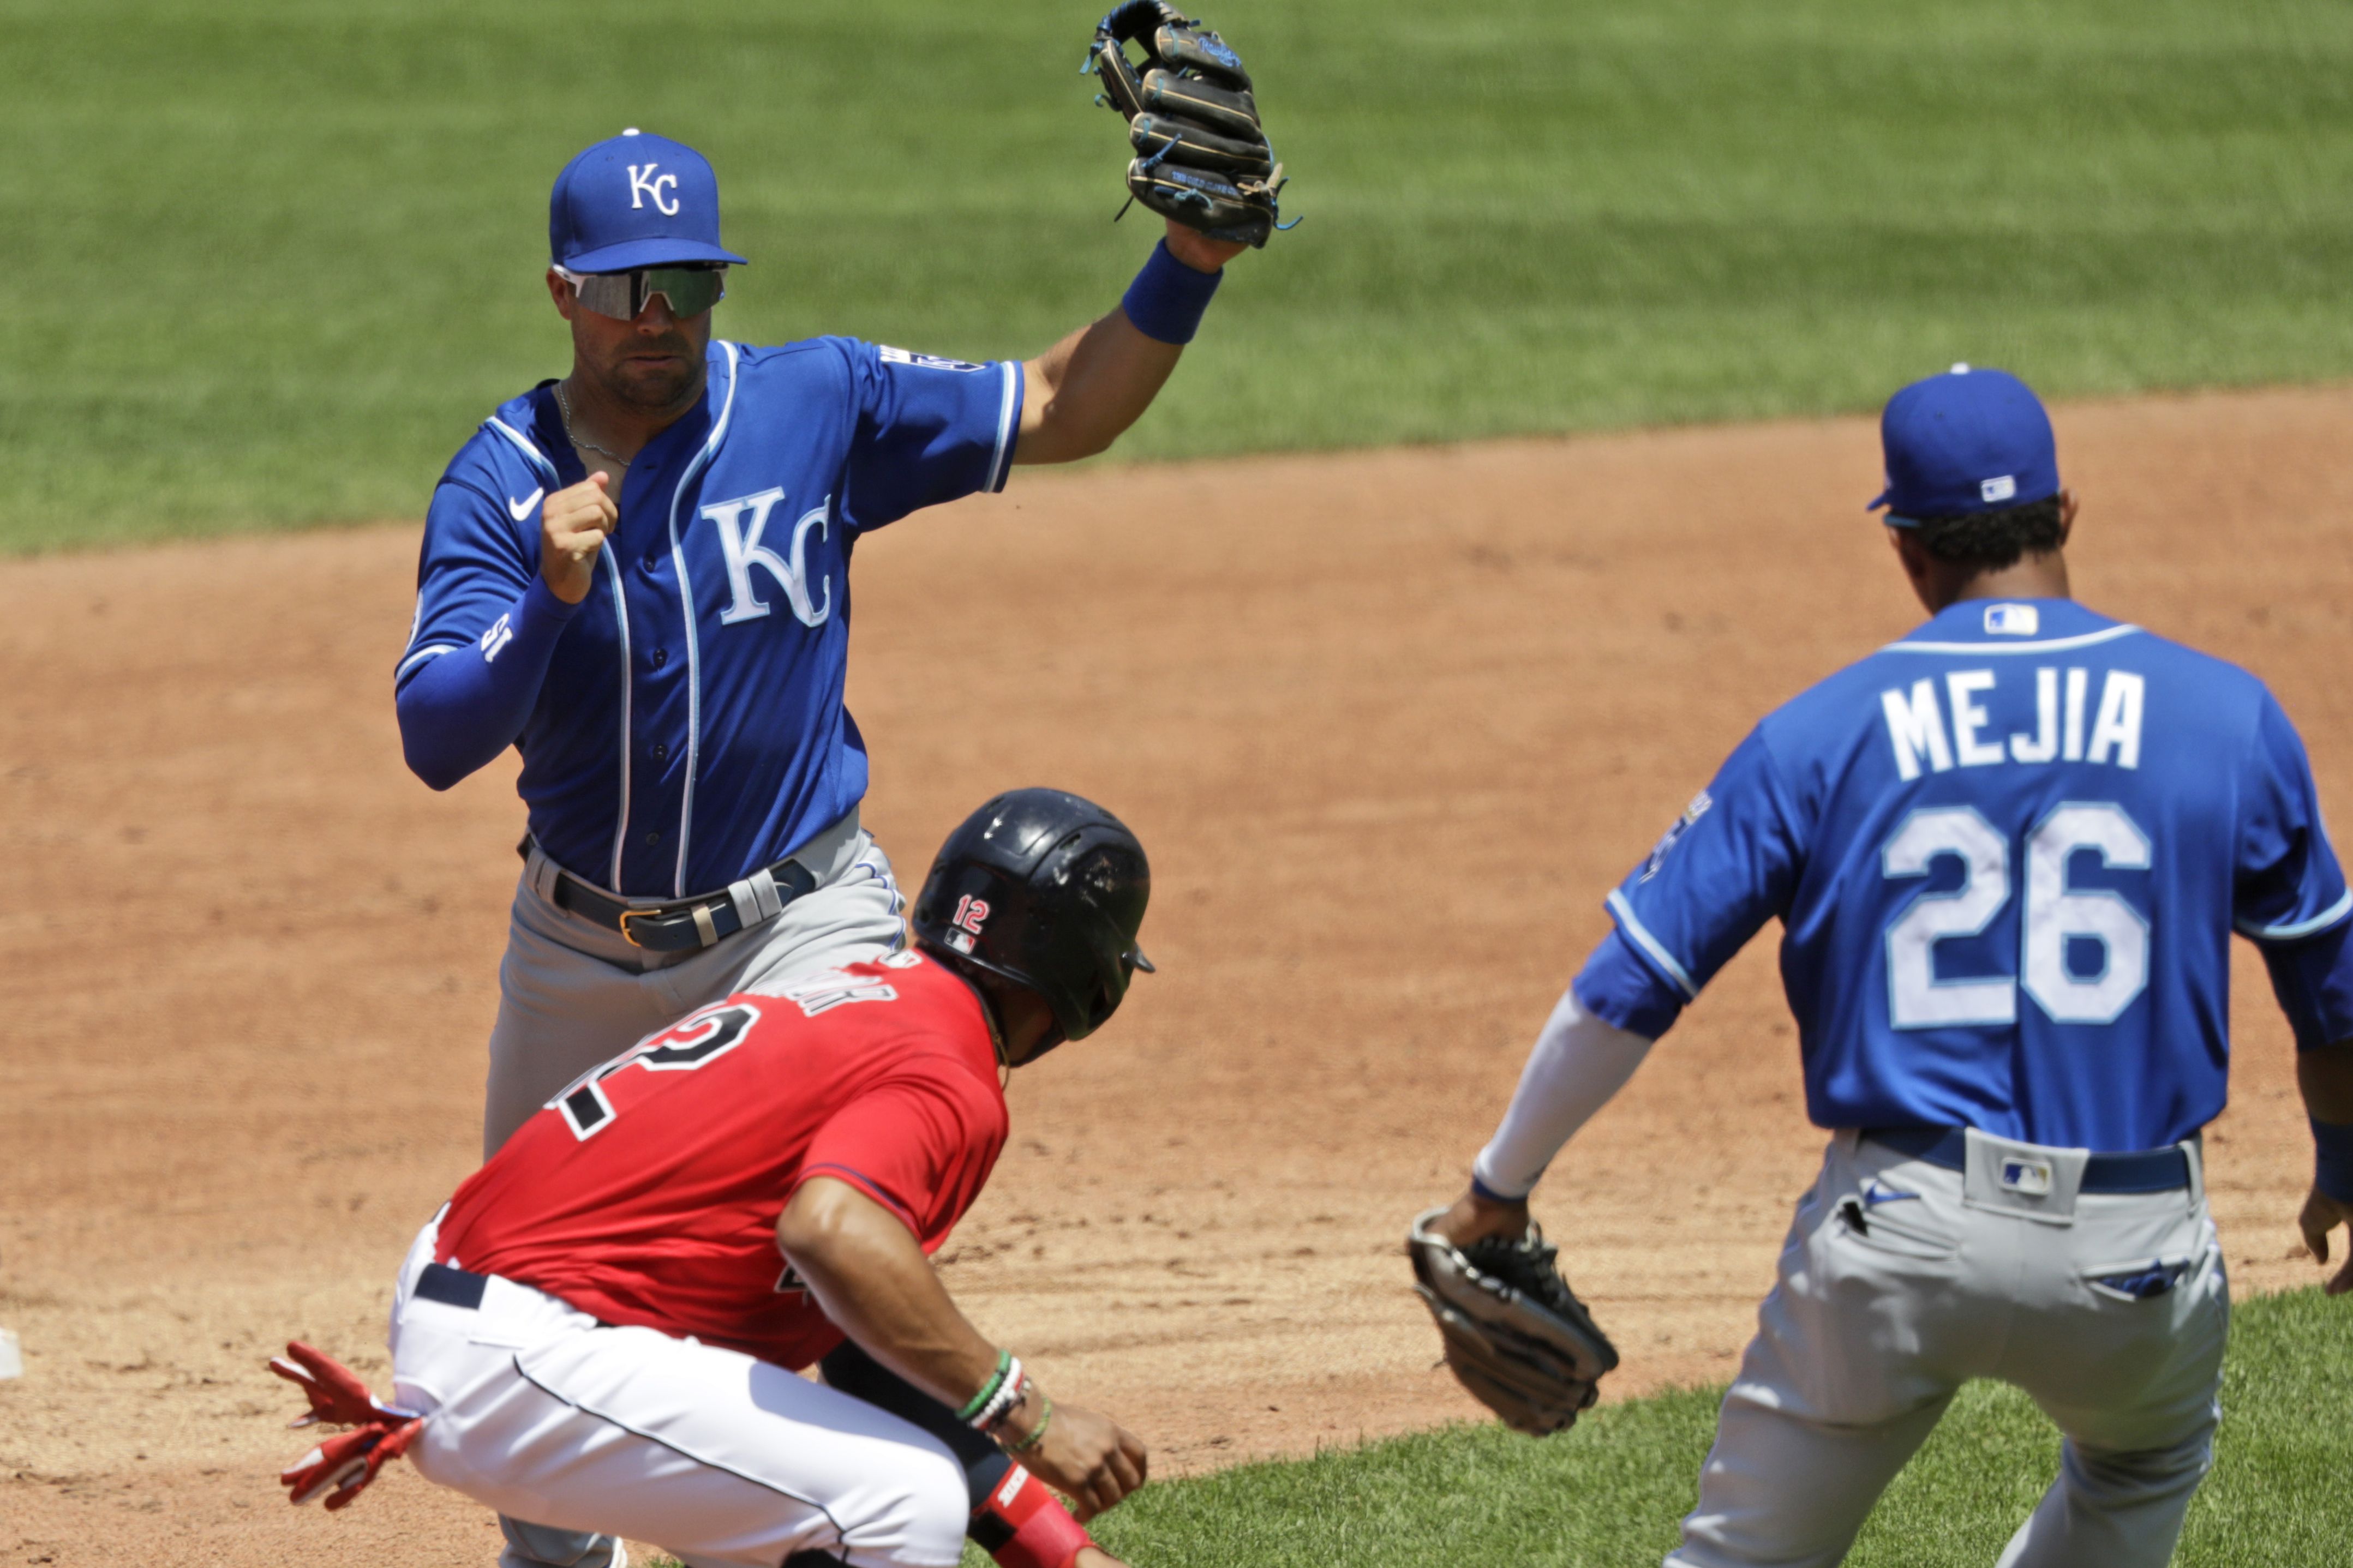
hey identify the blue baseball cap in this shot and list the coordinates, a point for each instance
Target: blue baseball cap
(634, 200)
(1968, 440)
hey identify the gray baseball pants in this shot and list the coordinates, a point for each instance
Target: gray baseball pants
(1901, 1281)
(573, 995)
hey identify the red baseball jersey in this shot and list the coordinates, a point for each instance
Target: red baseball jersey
(647, 1192)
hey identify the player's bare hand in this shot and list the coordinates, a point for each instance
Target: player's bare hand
(1198, 250)
(2323, 1213)
(1474, 1218)
(1088, 1457)
(572, 524)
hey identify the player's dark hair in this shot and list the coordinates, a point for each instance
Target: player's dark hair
(1991, 540)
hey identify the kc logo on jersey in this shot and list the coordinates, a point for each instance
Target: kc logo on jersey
(741, 522)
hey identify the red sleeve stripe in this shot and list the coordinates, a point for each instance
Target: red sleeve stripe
(863, 1183)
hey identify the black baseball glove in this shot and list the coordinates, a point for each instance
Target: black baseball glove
(1200, 155)
(1515, 1335)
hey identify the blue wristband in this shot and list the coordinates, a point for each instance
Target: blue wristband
(2332, 1171)
(1167, 298)
(1491, 1194)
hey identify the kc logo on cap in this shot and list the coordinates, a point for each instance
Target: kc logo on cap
(644, 183)
(1966, 441)
(636, 200)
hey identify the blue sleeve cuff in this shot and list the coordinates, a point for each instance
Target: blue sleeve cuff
(1619, 986)
(2314, 982)
(1168, 299)
(1492, 1195)
(2333, 1158)
(462, 709)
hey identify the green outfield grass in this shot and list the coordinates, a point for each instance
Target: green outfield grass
(1609, 1493)
(270, 261)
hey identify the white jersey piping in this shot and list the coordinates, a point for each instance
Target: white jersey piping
(686, 598)
(1008, 412)
(621, 624)
(2295, 929)
(2055, 645)
(1634, 928)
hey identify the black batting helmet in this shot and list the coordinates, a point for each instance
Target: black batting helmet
(1047, 891)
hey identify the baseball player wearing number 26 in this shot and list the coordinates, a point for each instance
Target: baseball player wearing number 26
(2007, 853)
(600, 1328)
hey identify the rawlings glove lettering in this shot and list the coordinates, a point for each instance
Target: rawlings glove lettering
(1201, 156)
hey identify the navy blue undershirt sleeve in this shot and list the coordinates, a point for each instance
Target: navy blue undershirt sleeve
(462, 707)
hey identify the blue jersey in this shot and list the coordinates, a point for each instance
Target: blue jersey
(690, 727)
(2007, 853)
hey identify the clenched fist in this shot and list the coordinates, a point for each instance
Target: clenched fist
(572, 524)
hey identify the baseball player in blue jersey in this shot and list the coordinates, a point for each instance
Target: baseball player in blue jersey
(637, 575)
(2007, 853)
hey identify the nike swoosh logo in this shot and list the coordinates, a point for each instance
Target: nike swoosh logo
(520, 510)
(1875, 1194)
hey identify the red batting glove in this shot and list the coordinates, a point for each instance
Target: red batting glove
(336, 1394)
(341, 1467)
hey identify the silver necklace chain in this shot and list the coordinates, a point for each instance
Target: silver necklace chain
(564, 407)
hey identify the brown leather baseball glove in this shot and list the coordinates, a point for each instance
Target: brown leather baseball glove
(1516, 1336)
(1201, 154)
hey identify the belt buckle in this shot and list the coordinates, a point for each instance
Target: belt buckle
(627, 916)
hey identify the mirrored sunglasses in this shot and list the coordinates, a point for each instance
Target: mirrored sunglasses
(690, 290)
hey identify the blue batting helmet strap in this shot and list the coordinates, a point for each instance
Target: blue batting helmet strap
(634, 200)
(1966, 441)
(1048, 891)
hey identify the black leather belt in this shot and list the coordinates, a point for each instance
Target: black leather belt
(2149, 1170)
(450, 1287)
(676, 926)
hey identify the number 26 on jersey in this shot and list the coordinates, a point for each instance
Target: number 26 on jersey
(2060, 918)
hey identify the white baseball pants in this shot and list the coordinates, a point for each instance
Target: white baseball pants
(573, 994)
(1901, 1281)
(542, 1412)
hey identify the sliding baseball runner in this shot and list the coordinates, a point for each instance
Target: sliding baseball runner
(601, 1329)
(2007, 853)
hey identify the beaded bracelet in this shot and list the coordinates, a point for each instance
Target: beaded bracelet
(1017, 1391)
(1037, 1433)
(1009, 1394)
(988, 1390)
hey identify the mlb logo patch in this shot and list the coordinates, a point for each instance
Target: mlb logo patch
(1999, 487)
(922, 362)
(2029, 1178)
(2013, 620)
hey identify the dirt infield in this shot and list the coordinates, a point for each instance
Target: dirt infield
(1389, 723)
